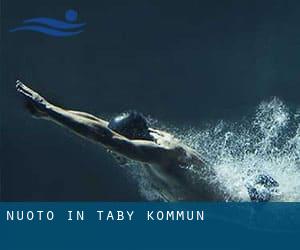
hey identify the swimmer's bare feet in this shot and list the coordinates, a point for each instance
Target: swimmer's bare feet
(35, 103)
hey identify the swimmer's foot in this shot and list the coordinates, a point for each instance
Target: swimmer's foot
(34, 103)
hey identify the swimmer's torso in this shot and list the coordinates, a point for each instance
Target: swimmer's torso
(177, 179)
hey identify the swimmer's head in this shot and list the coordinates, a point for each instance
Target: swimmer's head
(132, 125)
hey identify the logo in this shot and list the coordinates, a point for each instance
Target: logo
(53, 27)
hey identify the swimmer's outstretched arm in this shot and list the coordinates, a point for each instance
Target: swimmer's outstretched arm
(95, 129)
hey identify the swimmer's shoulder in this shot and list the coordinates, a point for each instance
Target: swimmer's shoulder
(185, 155)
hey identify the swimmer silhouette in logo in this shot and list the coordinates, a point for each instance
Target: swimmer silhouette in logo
(165, 157)
(53, 27)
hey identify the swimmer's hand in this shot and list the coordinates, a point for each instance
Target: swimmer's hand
(35, 103)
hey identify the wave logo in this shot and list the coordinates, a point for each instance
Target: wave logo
(53, 27)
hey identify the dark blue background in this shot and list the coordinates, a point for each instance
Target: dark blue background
(182, 62)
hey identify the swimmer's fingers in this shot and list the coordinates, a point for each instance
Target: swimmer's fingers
(154, 130)
(38, 103)
(23, 89)
(161, 133)
(154, 135)
(28, 93)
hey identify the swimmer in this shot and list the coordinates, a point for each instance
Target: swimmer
(129, 136)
